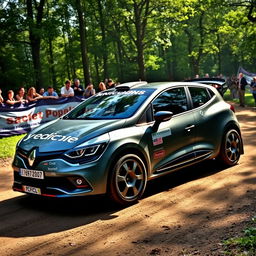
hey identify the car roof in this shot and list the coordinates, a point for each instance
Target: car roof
(155, 85)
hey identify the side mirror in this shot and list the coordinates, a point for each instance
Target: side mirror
(161, 116)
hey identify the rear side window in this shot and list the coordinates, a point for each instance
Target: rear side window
(199, 96)
(173, 100)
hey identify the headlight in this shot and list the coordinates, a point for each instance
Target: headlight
(88, 151)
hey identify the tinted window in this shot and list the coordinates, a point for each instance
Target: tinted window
(211, 93)
(199, 96)
(174, 100)
(110, 105)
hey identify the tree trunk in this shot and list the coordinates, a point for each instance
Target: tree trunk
(96, 63)
(66, 56)
(140, 32)
(250, 14)
(120, 61)
(35, 37)
(85, 60)
(219, 54)
(51, 63)
(103, 42)
(168, 64)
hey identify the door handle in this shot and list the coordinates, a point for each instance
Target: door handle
(188, 128)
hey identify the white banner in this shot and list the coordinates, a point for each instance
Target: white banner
(18, 120)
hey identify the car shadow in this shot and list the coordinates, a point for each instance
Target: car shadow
(179, 177)
(25, 215)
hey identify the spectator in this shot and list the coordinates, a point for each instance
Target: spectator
(21, 94)
(233, 86)
(78, 88)
(1, 97)
(89, 91)
(253, 89)
(50, 93)
(10, 98)
(206, 75)
(110, 84)
(33, 95)
(41, 91)
(241, 89)
(196, 76)
(102, 87)
(67, 90)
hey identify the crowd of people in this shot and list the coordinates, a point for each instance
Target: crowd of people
(237, 86)
(68, 90)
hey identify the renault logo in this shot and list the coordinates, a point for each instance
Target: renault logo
(32, 157)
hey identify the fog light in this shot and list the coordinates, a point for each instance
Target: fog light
(79, 182)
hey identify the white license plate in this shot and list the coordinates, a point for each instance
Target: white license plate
(32, 174)
(32, 190)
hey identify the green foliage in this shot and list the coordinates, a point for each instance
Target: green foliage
(178, 39)
(8, 145)
(244, 245)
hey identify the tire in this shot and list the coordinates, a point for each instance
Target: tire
(230, 148)
(128, 180)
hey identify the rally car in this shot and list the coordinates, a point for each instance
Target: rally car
(117, 140)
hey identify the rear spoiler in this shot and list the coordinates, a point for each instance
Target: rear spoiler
(212, 80)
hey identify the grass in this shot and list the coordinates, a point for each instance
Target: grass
(8, 144)
(249, 100)
(244, 245)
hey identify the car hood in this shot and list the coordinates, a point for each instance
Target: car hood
(63, 134)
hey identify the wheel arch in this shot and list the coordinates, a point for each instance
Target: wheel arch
(129, 148)
(233, 125)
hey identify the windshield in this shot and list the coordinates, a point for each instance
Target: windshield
(110, 105)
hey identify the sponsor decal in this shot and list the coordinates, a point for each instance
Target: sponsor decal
(52, 169)
(133, 92)
(52, 136)
(159, 154)
(157, 137)
(157, 141)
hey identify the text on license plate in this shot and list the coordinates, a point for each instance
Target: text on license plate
(32, 190)
(32, 174)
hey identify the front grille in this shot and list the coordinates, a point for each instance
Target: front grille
(59, 182)
(39, 156)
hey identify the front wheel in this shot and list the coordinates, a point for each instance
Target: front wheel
(128, 180)
(230, 148)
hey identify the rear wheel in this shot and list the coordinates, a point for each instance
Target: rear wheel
(230, 148)
(128, 180)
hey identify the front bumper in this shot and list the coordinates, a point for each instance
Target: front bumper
(61, 178)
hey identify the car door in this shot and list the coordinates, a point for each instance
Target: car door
(206, 120)
(172, 144)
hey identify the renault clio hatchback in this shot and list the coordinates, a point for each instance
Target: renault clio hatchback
(117, 140)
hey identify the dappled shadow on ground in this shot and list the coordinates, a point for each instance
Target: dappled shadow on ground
(22, 216)
(25, 213)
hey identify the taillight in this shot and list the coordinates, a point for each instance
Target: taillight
(232, 108)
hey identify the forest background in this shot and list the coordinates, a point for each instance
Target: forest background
(45, 42)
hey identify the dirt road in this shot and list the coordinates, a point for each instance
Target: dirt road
(186, 213)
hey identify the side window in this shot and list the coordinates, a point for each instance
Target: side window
(199, 96)
(173, 100)
(211, 93)
(147, 116)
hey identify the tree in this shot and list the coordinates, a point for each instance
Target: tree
(82, 33)
(34, 20)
